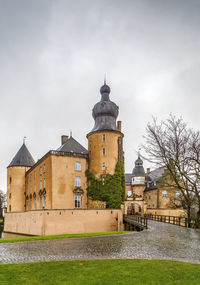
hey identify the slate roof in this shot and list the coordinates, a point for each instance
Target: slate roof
(105, 112)
(73, 146)
(156, 174)
(138, 170)
(128, 177)
(22, 158)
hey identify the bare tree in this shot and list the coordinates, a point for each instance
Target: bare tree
(173, 144)
(2, 202)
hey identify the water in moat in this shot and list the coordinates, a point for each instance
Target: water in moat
(160, 241)
(1, 231)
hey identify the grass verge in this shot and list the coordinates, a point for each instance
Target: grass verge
(96, 272)
(18, 239)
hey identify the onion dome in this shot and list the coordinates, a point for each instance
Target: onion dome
(22, 158)
(105, 112)
(138, 170)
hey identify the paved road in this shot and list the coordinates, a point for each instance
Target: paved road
(160, 241)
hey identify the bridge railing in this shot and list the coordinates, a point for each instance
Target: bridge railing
(136, 221)
(179, 221)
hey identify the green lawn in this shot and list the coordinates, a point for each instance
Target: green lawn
(18, 239)
(109, 272)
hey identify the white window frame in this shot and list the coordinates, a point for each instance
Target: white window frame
(77, 181)
(77, 201)
(78, 166)
(164, 194)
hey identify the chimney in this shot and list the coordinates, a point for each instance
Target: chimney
(64, 139)
(119, 125)
(148, 170)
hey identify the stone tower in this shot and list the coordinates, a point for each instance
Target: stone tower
(105, 141)
(16, 179)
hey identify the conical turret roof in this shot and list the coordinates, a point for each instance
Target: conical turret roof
(22, 158)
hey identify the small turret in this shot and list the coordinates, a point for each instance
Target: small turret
(138, 172)
(16, 171)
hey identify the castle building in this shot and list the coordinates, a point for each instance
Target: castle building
(50, 196)
(57, 180)
(150, 192)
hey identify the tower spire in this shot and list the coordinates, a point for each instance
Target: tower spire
(105, 79)
(24, 139)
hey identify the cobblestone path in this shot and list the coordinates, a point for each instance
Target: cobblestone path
(160, 241)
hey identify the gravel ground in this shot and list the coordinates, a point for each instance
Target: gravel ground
(160, 241)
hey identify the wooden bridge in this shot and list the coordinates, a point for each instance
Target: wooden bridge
(174, 220)
(134, 222)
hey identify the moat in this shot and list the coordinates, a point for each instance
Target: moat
(160, 241)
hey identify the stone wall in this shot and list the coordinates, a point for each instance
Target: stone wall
(167, 212)
(49, 222)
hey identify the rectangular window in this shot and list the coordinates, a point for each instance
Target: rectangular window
(129, 193)
(40, 202)
(10, 180)
(35, 205)
(164, 194)
(104, 151)
(10, 196)
(77, 201)
(78, 166)
(103, 137)
(40, 170)
(77, 181)
(103, 166)
(44, 201)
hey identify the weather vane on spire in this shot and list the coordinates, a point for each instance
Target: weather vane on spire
(24, 140)
(139, 152)
(105, 79)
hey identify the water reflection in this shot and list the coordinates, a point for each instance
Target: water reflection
(1, 231)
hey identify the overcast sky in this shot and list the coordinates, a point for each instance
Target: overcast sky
(53, 56)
